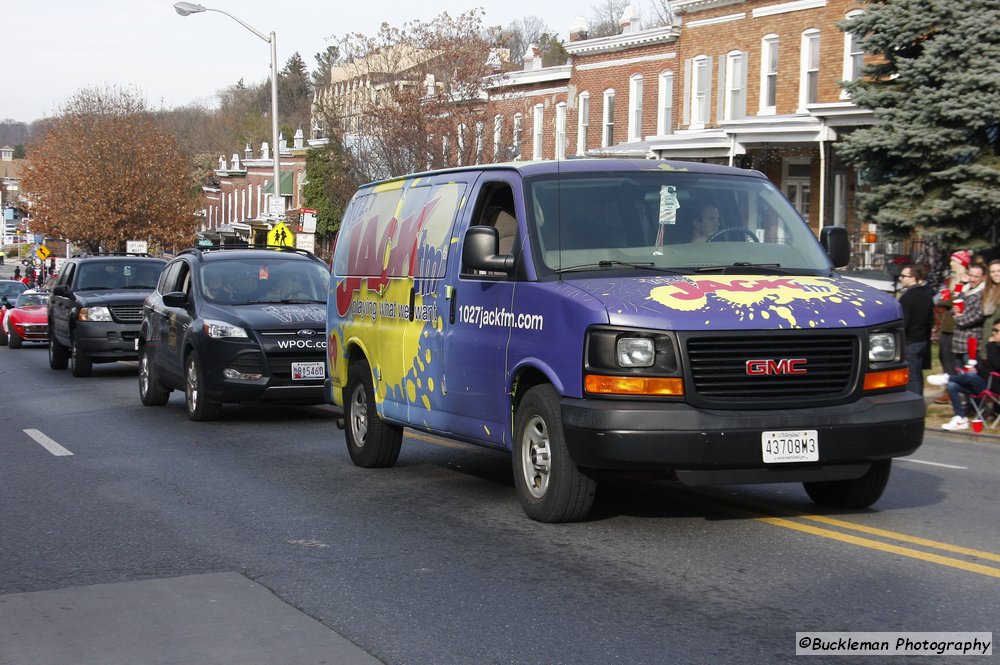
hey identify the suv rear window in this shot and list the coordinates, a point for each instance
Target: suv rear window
(98, 275)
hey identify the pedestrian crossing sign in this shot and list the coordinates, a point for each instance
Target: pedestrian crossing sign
(281, 236)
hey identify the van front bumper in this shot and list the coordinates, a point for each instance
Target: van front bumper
(721, 446)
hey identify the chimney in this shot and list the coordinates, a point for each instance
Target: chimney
(282, 143)
(265, 150)
(222, 163)
(533, 57)
(431, 85)
(630, 21)
(299, 140)
(247, 152)
(578, 31)
(236, 162)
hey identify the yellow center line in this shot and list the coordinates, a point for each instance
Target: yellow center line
(885, 547)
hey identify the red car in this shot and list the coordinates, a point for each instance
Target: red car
(9, 291)
(28, 321)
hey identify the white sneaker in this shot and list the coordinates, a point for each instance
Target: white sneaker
(937, 379)
(956, 423)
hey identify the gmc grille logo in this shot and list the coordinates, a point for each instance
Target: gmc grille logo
(768, 366)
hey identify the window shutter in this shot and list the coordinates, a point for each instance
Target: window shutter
(720, 110)
(708, 91)
(686, 103)
(741, 110)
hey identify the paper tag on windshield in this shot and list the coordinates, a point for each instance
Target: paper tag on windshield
(668, 204)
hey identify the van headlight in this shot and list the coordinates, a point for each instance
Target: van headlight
(635, 352)
(219, 329)
(881, 347)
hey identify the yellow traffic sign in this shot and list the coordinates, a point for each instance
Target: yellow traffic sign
(43, 252)
(281, 235)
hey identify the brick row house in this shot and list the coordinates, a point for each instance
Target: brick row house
(749, 83)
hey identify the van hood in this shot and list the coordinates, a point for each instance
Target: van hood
(750, 302)
(270, 316)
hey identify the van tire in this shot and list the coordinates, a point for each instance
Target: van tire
(58, 355)
(549, 485)
(857, 493)
(371, 442)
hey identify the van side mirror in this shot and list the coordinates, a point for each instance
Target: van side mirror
(837, 246)
(480, 251)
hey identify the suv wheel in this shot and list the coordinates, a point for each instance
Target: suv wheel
(81, 363)
(199, 407)
(371, 442)
(151, 391)
(58, 357)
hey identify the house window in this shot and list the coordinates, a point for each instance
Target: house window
(796, 183)
(497, 136)
(538, 132)
(517, 135)
(665, 104)
(768, 74)
(809, 74)
(854, 55)
(736, 86)
(635, 108)
(582, 123)
(608, 135)
(700, 91)
(445, 147)
(479, 142)
(561, 130)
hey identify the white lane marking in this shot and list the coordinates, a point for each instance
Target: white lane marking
(920, 461)
(46, 442)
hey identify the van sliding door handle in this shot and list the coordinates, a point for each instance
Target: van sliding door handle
(452, 306)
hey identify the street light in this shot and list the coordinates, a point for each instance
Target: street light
(186, 8)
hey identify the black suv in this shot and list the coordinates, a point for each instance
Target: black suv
(95, 309)
(235, 325)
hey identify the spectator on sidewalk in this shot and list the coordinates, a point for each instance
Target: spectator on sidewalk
(969, 315)
(973, 382)
(917, 302)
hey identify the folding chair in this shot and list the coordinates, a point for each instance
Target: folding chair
(987, 403)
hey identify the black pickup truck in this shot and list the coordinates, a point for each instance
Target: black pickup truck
(95, 309)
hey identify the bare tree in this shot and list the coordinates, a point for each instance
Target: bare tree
(519, 34)
(660, 13)
(411, 98)
(106, 171)
(605, 18)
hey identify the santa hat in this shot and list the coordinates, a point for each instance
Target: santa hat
(963, 256)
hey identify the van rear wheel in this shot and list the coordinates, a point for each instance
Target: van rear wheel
(549, 485)
(371, 442)
(857, 493)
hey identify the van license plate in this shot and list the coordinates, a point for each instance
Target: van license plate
(790, 446)
(306, 371)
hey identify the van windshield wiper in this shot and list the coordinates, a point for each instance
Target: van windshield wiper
(740, 268)
(643, 265)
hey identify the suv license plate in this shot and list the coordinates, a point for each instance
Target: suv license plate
(790, 446)
(305, 371)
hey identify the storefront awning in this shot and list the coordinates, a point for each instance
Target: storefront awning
(286, 184)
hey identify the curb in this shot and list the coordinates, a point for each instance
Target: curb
(966, 434)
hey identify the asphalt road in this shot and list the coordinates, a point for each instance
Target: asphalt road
(150, 539)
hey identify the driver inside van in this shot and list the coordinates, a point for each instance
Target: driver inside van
(706, 224)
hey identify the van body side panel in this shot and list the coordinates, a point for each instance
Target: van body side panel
(386, 289)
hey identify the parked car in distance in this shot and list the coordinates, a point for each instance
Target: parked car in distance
(10, 289)
(95, 308)
(235, 325)
(27, 321)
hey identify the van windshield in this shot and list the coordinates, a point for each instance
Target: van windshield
(668, 220)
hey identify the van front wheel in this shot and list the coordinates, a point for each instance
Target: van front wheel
(371, 442)
(549, 485)
(858, 493)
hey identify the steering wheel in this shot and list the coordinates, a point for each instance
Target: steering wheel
(746, 233)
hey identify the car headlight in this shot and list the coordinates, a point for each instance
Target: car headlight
(94, 314)
(881, 347)
(635, 352)
(219, 329)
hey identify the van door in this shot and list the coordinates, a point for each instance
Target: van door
(480, 319)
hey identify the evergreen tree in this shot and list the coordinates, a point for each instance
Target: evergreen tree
(931, 163)
(330, 184)
(325, 61)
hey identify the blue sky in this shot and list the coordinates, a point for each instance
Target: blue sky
(56, 47)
